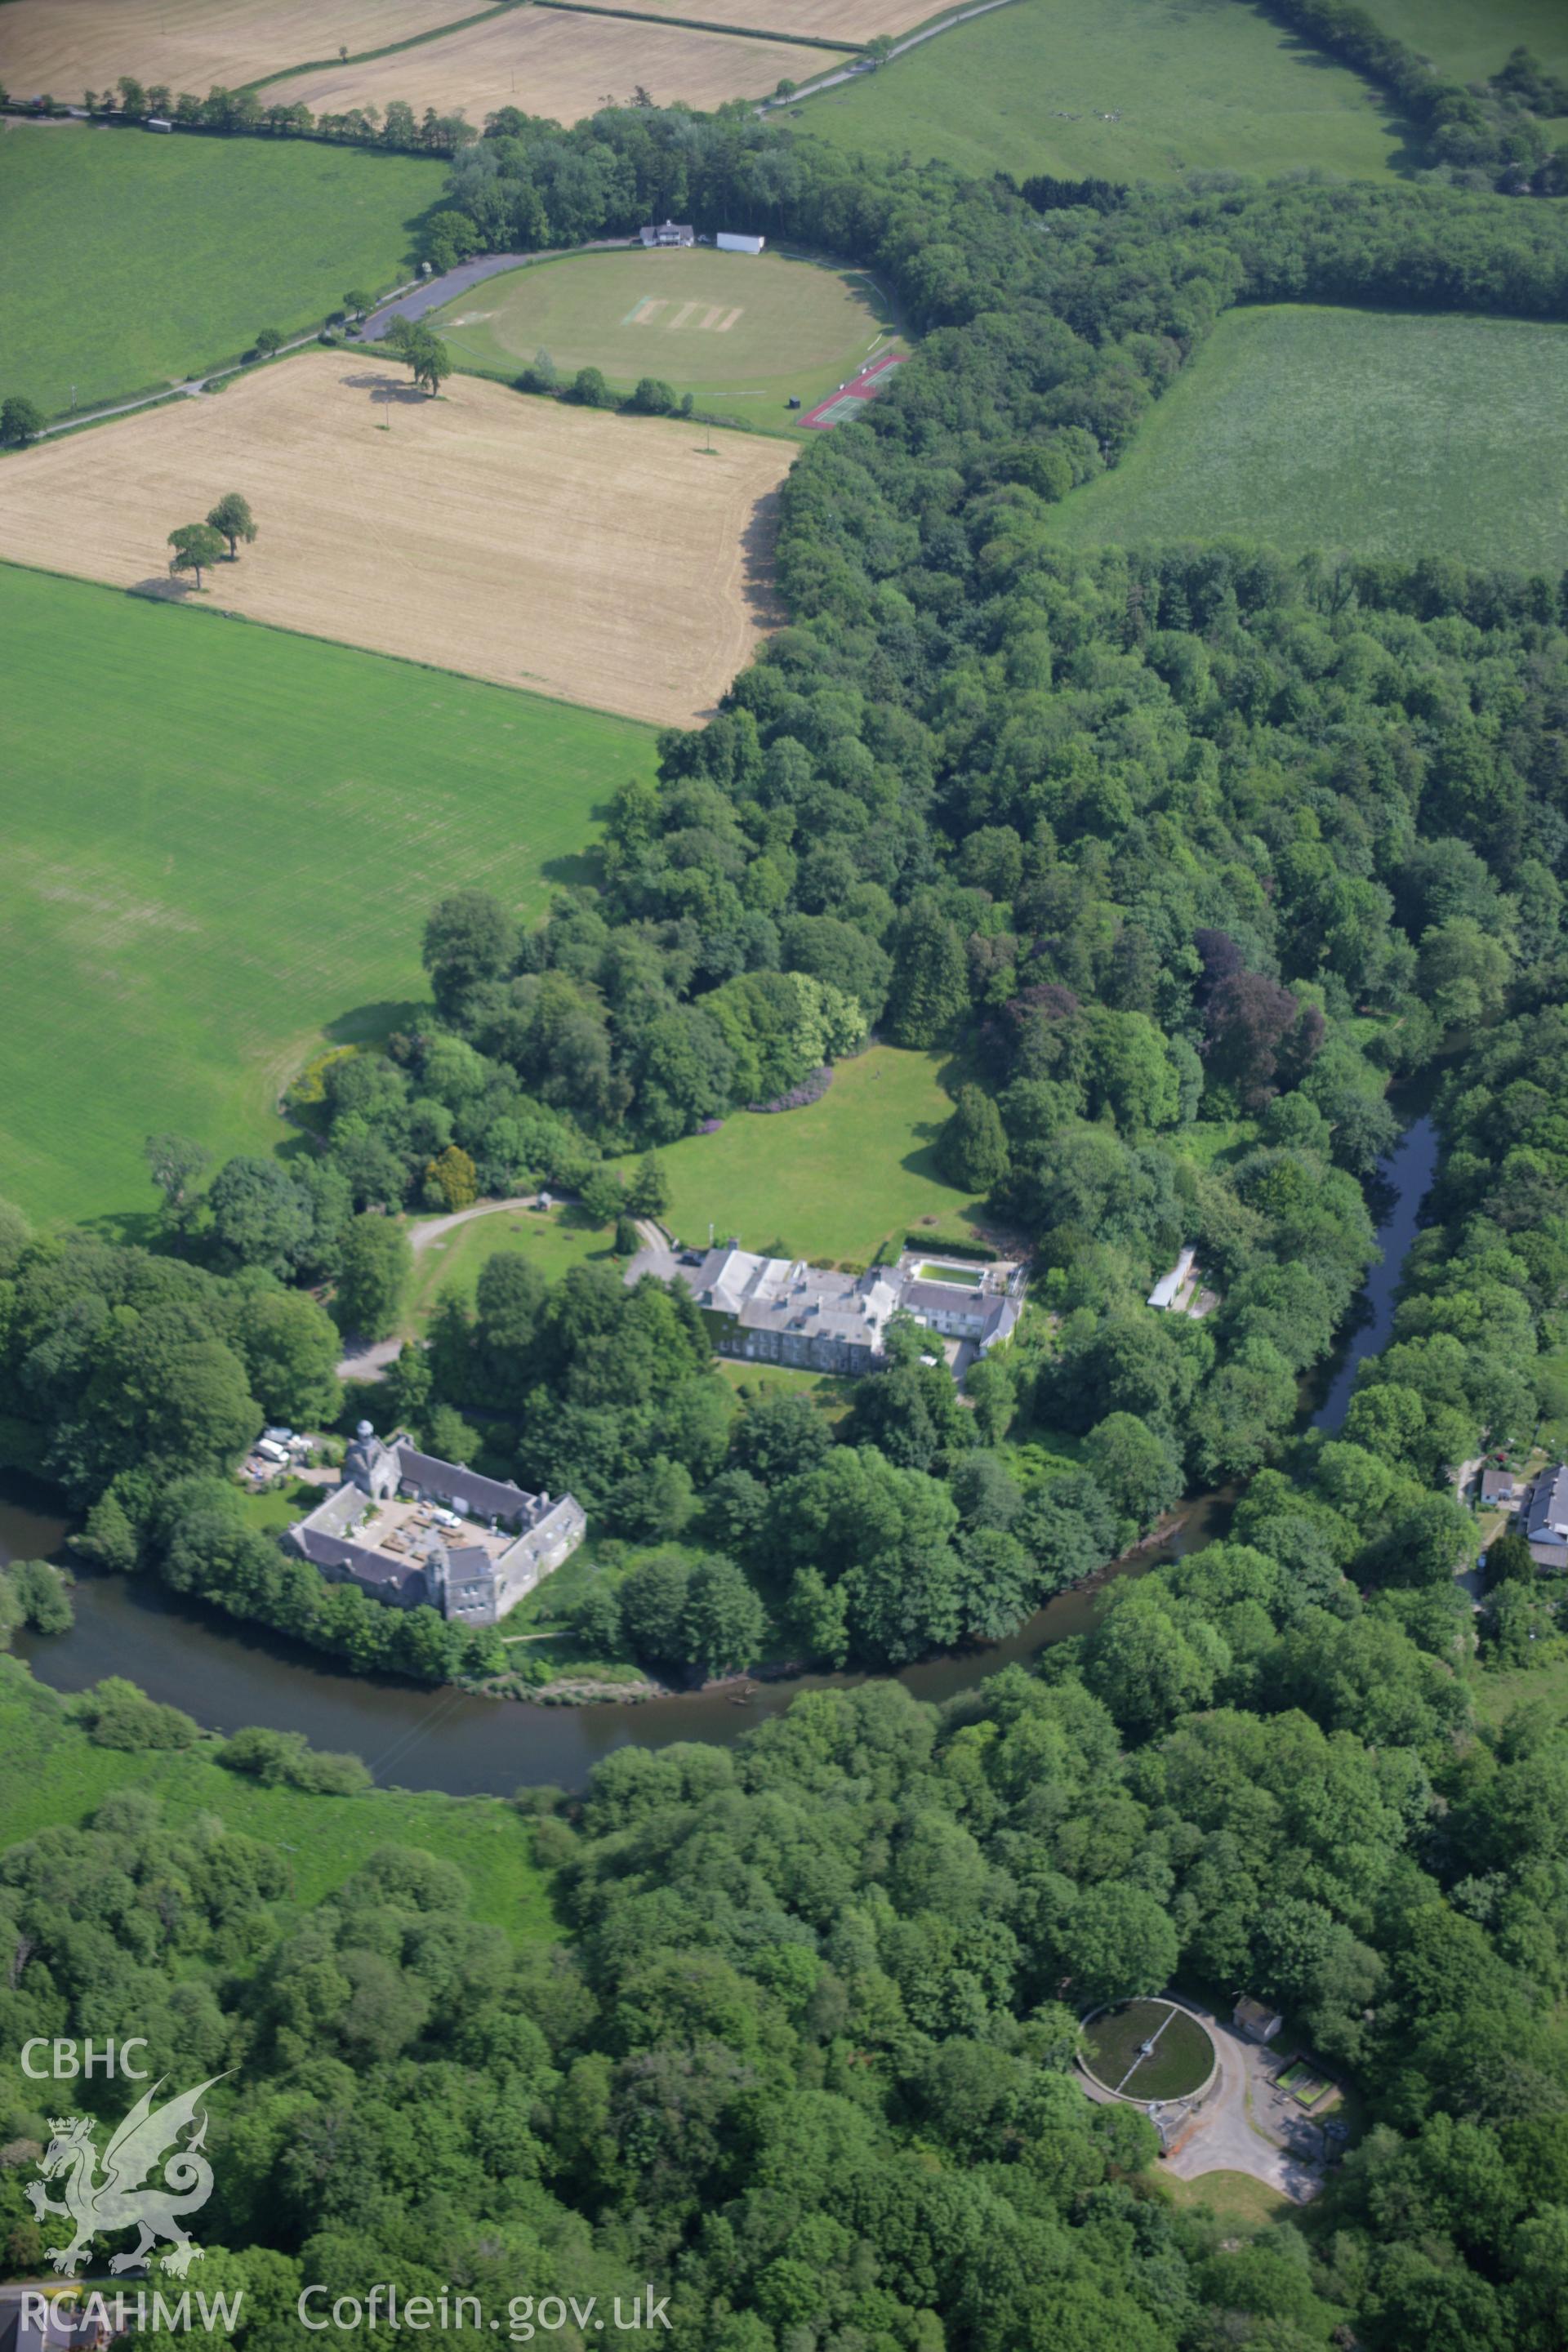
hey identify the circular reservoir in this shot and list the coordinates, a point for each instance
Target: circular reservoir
(1148, 2049)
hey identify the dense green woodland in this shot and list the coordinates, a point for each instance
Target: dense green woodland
(1187, 855)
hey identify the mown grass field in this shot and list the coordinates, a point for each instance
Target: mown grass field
(51, 1773)
(740, 332)
(221, 844)
(1125, 89)
(129, 261)
(832, 1180)
(1386, 435)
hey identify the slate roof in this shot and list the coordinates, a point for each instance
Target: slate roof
(492, 1498)
(1546, 1513)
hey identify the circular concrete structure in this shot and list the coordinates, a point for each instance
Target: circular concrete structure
(1149, 2051)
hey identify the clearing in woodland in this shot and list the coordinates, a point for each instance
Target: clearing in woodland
(611, 560)
(1126, 89)
(548, 62)
(64, 46)
(129, 262)
(1472, 40)
(1385, 434)
(221, 845)
(726, 326)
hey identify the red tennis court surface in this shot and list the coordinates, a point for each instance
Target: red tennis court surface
(846, 402)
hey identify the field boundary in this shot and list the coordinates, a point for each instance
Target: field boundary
(704, 25)
(345, 645)
(368, 56)
(907, 41)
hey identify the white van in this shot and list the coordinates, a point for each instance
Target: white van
(270, 1451)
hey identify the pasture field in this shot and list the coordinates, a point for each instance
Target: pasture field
(1128, 90)
(129, 261)
(745, 329)
(554, 1240)
(64, 46)
(221, 843)
(834, 1180)
(602, 559)
(50, 1773)
(1390, 435)
(550, 63)
(1472, 37)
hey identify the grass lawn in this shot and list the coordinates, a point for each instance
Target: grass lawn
(554, 1239)
(829, 1394)
(1240, 2204)
(129, 261)
(221, 844)
(740, 332)
(1182, 2057)
(835, 1179)
(1127, 90)
(1387, 434)
(50, 1772)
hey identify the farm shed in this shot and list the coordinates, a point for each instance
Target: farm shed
(729, 241)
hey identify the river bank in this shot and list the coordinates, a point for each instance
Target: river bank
(227, 1674)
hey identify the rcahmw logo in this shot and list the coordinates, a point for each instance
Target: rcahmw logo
(100, 2197)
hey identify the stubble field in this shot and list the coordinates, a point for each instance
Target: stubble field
(63, 46)
(220, 845)
(548, 62)
(851, 22)
(608, 560)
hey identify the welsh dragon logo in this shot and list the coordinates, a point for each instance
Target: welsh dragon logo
(100, 2205)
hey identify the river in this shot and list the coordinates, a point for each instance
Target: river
(227, 1674)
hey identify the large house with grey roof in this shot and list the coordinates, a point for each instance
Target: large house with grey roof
(1544, 1519)
(417, 1532)
(779, 1310)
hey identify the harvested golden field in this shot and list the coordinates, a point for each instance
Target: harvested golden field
(604, 559)
(553, 64)
(817, 20)
(64, 46)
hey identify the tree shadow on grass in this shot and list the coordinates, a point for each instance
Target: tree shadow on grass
(369, 1024)
(163, 588)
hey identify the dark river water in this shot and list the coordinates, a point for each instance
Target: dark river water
(227, 1674)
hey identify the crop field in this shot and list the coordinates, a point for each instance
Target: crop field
(221, 844)
(1126, 89)
(834, 1180)
(235, 235)
(1178, 2065)
(64, 46)
(598, 558)
(726, 326)
(550, 63)
(1387, 434)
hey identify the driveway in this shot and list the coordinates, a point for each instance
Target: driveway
(367, 1361)
(1245, 2124)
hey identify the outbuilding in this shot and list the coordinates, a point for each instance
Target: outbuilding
(158, 122)
(729, 241)
(668, 233)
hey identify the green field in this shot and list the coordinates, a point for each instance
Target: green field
(832, 1180)
(555, 1240)
(741, 331)
(1181, 2060)
(221, 843)
(129, 261)
(1393, 436)
(1472, 37)
(1129, 89)
(50, 1772)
